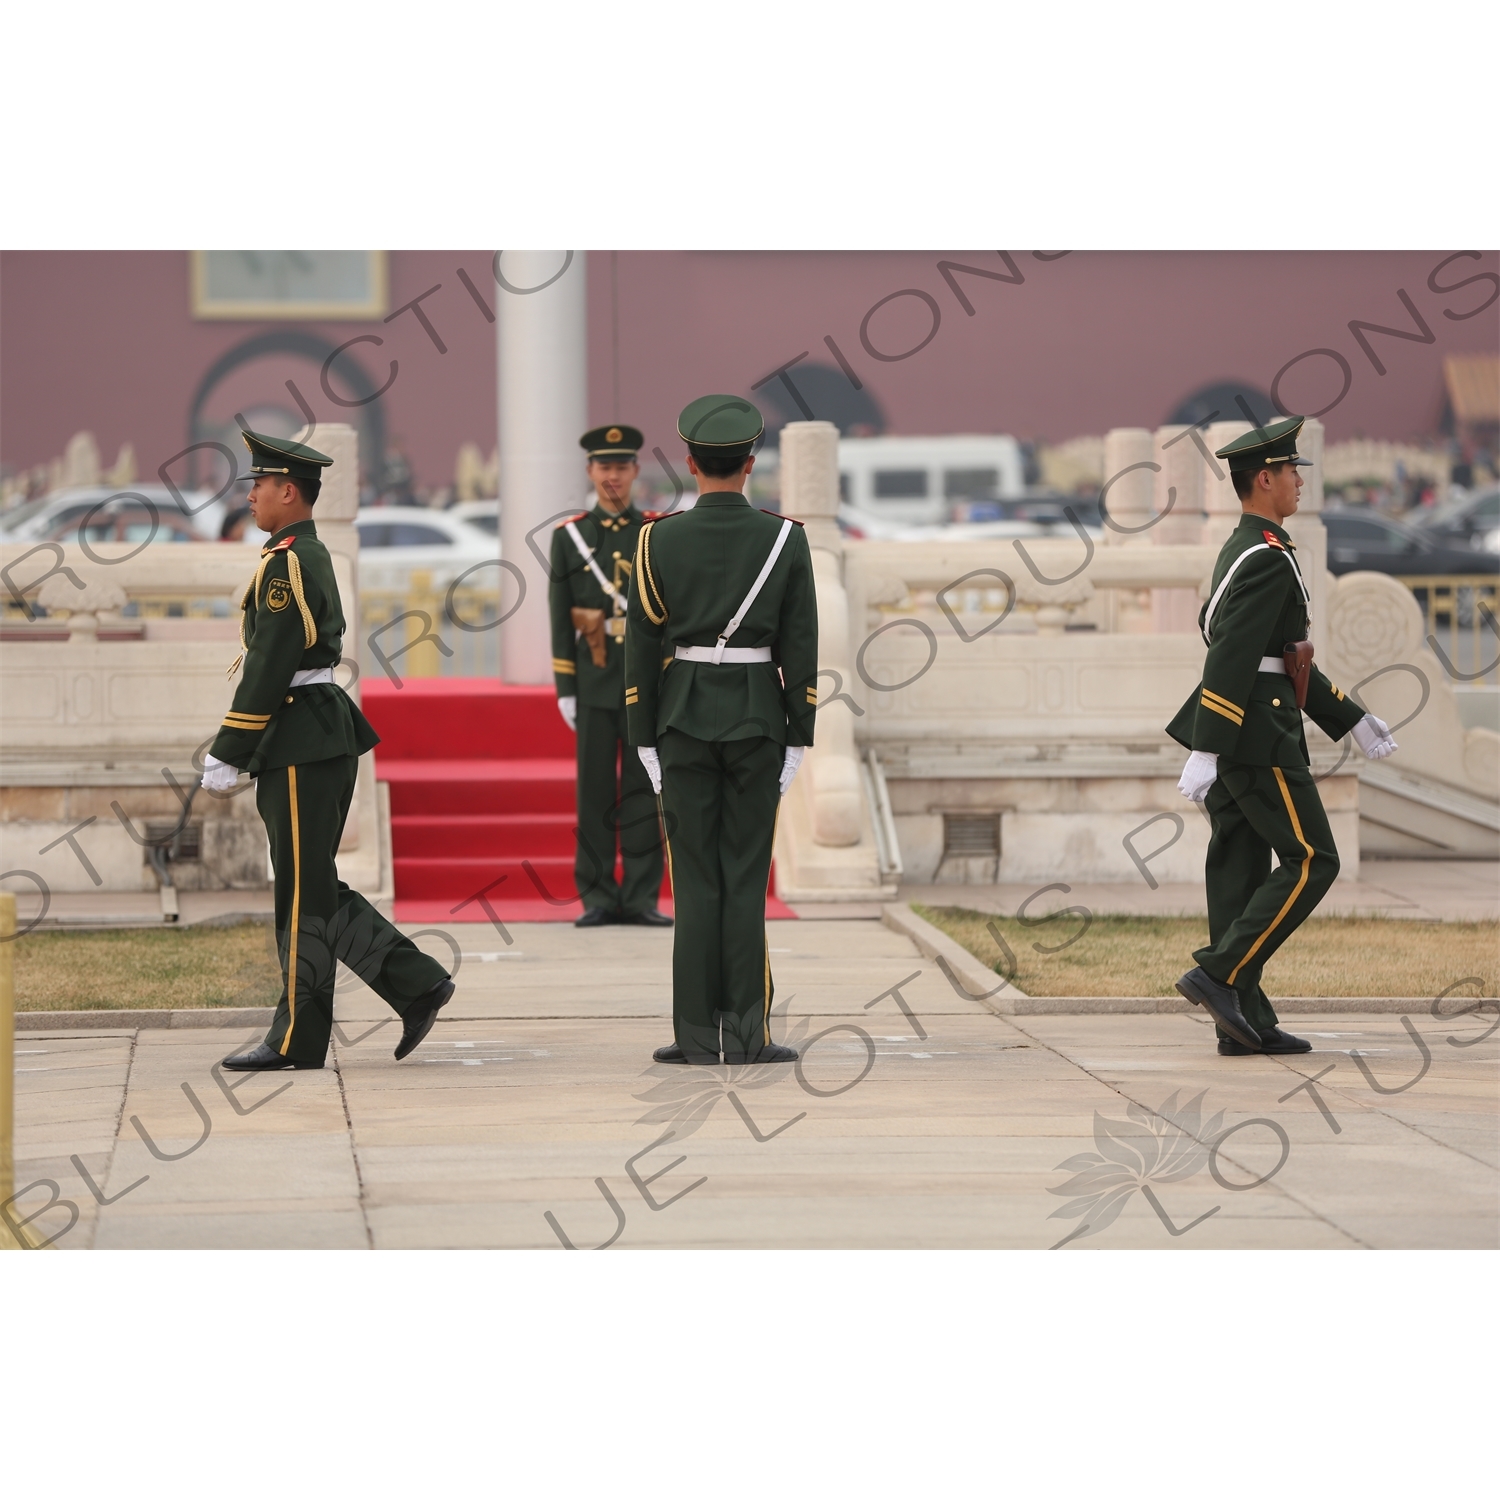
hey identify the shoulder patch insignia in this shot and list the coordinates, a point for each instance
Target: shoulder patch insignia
(1274, 540)
(779, 516)
(278, 594)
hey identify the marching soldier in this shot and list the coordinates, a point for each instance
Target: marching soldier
(1249, 763)
(592, 556)
(299, 735)
(721, 663)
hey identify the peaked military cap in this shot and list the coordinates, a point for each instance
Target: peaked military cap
(1276, 444)
(269, 455)
(615, 443)
(723, 425)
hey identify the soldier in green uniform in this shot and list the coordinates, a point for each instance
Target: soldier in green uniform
(721, 663)
(592, 556)
(300, 736)
(1249, 763)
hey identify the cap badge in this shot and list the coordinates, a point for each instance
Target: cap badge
(613, 435)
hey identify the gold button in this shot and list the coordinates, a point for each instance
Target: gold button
(288, 697)
(1275, 702)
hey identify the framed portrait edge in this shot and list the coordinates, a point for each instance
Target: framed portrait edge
(207, 308)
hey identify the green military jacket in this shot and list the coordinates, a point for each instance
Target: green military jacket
(1238, 711)
(291, 621)
(611, 540)
(692, 572)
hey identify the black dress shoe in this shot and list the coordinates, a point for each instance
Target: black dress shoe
(417, 1021)
(1277, 1040)
(652, 918)
(262, 1059)
(774, 1052)
(1221, 1003)
(1274, 1040)
(597, 916)
(671, 1053)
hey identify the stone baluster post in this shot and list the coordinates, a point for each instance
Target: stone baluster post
(335, 514)
(1219, 499)
(810, 494)
(1128, 502)
(1310, 536)
(1177, 496)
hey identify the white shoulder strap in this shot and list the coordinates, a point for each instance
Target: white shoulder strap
(755, 588)
(594, 568)
(1218, 594)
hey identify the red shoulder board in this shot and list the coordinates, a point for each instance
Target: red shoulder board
(1274, 540)
(779, 516)
(581, 514)
(281, 546)
(661, 515)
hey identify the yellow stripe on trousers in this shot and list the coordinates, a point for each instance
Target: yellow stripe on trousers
(291, 963)
(1291, 900)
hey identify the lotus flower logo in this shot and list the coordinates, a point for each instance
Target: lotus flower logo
(686, 1097)
(1159, 1146)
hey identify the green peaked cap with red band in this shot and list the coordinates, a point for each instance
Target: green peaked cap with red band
(1274, 444)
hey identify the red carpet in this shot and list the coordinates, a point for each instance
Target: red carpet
(482, 801)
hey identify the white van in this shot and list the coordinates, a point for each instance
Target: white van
(928, 480)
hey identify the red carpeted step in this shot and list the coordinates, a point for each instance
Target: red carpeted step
(522, 835)
(483, 785)
(478, 786)
(463, 718)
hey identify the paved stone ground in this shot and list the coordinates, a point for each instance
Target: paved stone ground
(949, 1127)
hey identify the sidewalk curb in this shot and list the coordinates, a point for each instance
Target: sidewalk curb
(977, 981)
(141, 1020)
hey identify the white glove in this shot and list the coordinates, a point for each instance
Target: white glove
(218, 776)
(652, 762)
(568, 708)
(1200, 773)
(794, 754)
(1373, 736)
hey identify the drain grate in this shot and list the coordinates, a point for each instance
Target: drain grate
(971, 835)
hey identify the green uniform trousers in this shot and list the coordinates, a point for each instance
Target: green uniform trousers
(615, 803)
(1252, 909)
(319, 920)
(719, 801)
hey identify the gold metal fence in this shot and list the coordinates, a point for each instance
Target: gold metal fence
(463, 619)
(1461, 622)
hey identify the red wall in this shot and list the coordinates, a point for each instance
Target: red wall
(106, 341)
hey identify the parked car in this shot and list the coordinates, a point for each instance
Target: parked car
(396, 541)
(1364, 541)
(485, 514)
(118, 515)
(924, 480)
(1463, 521)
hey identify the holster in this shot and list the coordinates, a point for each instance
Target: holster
(1297, 658)
(589, 623)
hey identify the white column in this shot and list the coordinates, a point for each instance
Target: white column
(543, 363)
(1128, 504)
(335, 513)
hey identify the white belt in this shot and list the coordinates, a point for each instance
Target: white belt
(1273, 664)
(727, 654)
(315, 674)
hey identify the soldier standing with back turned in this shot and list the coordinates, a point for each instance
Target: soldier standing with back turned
(590, 581)
(721, 667)
(300, 737)
(1249, 764)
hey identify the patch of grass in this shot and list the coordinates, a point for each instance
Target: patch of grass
(1144, 955)
(171, 968)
